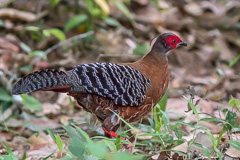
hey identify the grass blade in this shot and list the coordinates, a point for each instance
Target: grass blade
(193, 107)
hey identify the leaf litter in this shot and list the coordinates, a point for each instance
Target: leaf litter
(210, 28)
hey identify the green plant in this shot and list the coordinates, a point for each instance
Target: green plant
(10, 155)
(97, 10)
(83, 147)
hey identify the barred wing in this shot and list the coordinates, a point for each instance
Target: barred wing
(125, 85)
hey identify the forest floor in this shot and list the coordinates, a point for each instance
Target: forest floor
(202, 114)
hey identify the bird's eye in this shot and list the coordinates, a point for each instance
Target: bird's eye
(174, 40)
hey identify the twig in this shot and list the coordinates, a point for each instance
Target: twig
(10, 13)
(49, 50)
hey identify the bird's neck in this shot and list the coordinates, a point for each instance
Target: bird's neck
(155, 58)
(151, 64)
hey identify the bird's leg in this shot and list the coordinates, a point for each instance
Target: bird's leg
(112, 133)
(110, 125)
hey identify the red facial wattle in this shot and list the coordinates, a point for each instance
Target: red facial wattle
(173, 41)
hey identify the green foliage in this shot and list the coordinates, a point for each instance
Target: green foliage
(56, 32)
(59, 143)
(122, 7)
(10, 155)
(206, 151)
(141, 49)
(31, 53)
(233, 62)
(52, 135)
(53, 3)
(234, 102)
(160, 117)
(4, 95)
(83, 147)
(112, 22)
(235, 144)
(192, 107)
(75, 21)
(31, 103)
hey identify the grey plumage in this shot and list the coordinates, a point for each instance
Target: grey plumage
(123, 84)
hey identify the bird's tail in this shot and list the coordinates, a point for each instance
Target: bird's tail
(46, 80)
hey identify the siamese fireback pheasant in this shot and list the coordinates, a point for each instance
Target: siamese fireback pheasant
(128, 89)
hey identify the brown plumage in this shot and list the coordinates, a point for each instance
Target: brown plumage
(128, 89)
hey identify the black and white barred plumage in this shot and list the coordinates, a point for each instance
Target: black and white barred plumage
(125, 85)
(40, 80)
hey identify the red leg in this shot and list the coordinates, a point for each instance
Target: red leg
(114, 134)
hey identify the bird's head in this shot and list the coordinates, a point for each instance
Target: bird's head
(167, 42)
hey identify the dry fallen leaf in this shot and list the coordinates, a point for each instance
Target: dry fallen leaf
(49, 108)
(20, 15)
(232, 152)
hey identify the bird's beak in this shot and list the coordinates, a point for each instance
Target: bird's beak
(182, 43)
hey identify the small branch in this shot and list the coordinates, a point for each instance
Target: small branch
(49, 50)
(10, 13)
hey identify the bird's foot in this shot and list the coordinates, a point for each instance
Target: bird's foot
(114, 134)
(127, 146)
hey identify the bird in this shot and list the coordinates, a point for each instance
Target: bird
(111, 90)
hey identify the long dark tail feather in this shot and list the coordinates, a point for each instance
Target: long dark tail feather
(46, 80)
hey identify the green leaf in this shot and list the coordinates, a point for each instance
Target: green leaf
(121, 156)
(118, 142)
(59, 143)
(31, 103)
(32, 28)
(82, 133)
(53, 3)
(25, 47)
(187, 124)
(218, 153)
(214, 119)
(75, 21)
(165, 116)
(141, 49)
(71, 103)
(204, 148)
(95, 11)
(89, 158)
(77, 133)
(121, 6)
(52, 135)
(234, 144)
(40, 54)
(49, 156)
(26, 68)
(56, 32)
(214, 142)
(234, 61)
(193, 107)
(231, 102)
(152, 123)
(231, 117)
(4, 96)
(112, 22)
(11, 156)
(9, 151)
(179, 152)
(77, 147)
(224, 129)
(129, 125)
(98, 149)
(103, 5)
(110, 144)
(163, 101)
